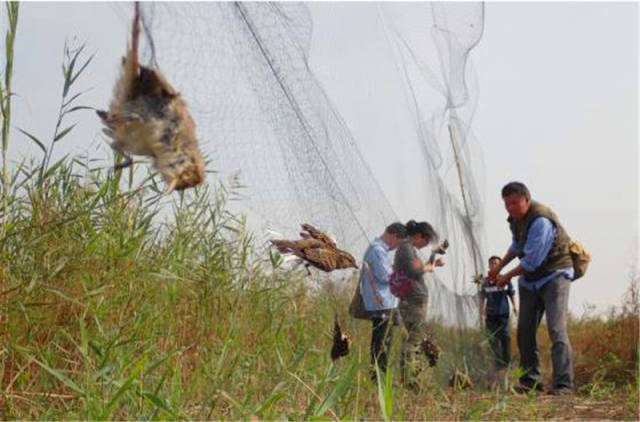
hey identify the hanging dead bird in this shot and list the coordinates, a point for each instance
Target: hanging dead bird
(317, 249)
(147, 116)
(430, 350)
(341, 341)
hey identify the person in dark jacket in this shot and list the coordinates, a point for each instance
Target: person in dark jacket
(494, 306)
(546, 271)
(413, 306)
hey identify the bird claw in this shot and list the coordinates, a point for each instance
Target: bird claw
(102, 114)
(171, 186)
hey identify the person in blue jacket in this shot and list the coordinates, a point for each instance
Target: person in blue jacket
(376, 294)
(546, 270)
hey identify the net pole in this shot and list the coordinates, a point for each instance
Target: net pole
(464, 198)
(474, 253)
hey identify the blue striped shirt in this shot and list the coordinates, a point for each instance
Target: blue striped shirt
(496, 298)
(377, 259)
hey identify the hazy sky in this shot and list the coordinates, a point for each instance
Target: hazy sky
(557, 109)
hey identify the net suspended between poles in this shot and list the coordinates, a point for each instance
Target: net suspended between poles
(430, 43)
(262, 116)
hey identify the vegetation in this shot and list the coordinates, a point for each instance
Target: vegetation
(126, 304)
(116, 316)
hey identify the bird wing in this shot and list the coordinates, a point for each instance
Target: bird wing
(296, 245)
(327, 259)
(319, 234)
(323, 258)
(341, 341)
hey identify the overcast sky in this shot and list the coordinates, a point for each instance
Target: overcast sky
(557, 109)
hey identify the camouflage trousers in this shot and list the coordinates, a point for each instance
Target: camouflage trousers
(414, 317)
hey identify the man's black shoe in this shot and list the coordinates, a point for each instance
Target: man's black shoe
(560, 391)
(522, 388)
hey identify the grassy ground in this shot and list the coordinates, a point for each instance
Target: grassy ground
(113, 312)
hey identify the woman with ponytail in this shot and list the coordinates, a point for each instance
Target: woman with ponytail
(413, 304)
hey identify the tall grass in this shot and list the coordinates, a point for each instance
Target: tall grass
(115, 317)
(5, 108)
(5, 98)
(120, 312)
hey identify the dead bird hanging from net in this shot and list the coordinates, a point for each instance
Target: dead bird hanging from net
(147, 116)
(317, 249)
(341, 341)
(430, 349)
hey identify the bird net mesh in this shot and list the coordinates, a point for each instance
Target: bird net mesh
(432, 60)
(264, 119)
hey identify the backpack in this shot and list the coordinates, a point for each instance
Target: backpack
(400, 284)
(356, 307)
(580, 258)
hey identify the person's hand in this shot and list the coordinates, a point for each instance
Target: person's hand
(378, 298)
(428, 268)
(515, 310)
(502, 280)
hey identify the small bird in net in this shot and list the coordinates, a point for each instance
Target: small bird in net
(317, 249)
(430, 350)
(341, 341)
(148, 117)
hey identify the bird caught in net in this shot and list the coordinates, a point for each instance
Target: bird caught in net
(148, 117)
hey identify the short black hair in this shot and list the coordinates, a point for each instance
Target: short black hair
(517, 188)
(397, 229)
(422, 228)
(494, 257)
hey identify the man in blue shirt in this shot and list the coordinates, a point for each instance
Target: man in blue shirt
(545, 270)
(495, 310)
(376, 293)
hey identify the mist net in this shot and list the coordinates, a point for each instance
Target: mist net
(431, 43)
(264, 120)
(263, 117)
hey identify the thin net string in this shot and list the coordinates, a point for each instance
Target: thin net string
(430, 44)
(263, 118)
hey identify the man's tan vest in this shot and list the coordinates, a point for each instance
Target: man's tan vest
(558, 257)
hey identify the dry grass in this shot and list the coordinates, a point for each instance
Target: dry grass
(118, 314)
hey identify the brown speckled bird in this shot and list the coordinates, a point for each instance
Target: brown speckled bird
(148, 117)
(341, 341)
(430, 350)
(317, 249)
(309, 230)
